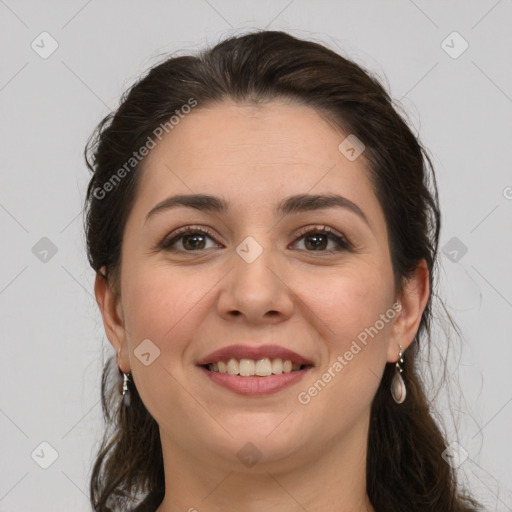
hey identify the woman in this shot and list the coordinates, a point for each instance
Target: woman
(264, 229)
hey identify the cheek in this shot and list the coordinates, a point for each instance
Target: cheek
(168, 307)
(159, 303)
(350, 301)
(356, 342)
(350, 305)
(165, 308)
(361, 323)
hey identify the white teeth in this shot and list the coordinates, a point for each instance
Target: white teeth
(277, 366)
(233, 367)
(263, 367)
(249, 367)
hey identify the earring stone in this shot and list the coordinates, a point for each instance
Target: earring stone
(398, 389)
(126, 391)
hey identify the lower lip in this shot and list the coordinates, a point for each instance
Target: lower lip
(255, 385)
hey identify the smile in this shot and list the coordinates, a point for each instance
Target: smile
(250, 367)
(254, 370)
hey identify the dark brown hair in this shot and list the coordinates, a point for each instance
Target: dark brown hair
(405, 469)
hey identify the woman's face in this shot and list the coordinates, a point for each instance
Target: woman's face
(256, 278)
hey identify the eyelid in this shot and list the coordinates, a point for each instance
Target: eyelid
(173, 237)
(339, 238)
(319, 228)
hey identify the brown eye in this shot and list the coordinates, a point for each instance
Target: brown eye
(318, 239)
(189, 240)
(192, 242)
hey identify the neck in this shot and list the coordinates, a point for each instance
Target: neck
(332, 482)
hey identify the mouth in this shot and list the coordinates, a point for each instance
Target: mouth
(264, 367)
(255, 370)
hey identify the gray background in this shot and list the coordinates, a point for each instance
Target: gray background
(53, 343)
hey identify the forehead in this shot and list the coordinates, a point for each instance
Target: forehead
(230, 133)
(254, 152)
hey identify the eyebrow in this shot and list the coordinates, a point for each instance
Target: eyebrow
(290, 205)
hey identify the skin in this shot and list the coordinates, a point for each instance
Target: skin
(311, 301)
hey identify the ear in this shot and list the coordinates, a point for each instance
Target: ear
(413, 299)
(109, 304)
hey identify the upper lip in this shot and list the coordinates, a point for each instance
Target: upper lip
(251, 352)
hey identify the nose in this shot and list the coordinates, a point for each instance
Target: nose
(256, 292)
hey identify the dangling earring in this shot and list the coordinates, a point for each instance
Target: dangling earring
(126, 391)
(398, 389)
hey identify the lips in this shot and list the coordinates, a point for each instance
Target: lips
(255, 371)
(255, 353)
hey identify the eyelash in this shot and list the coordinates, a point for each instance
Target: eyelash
(343, 243)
